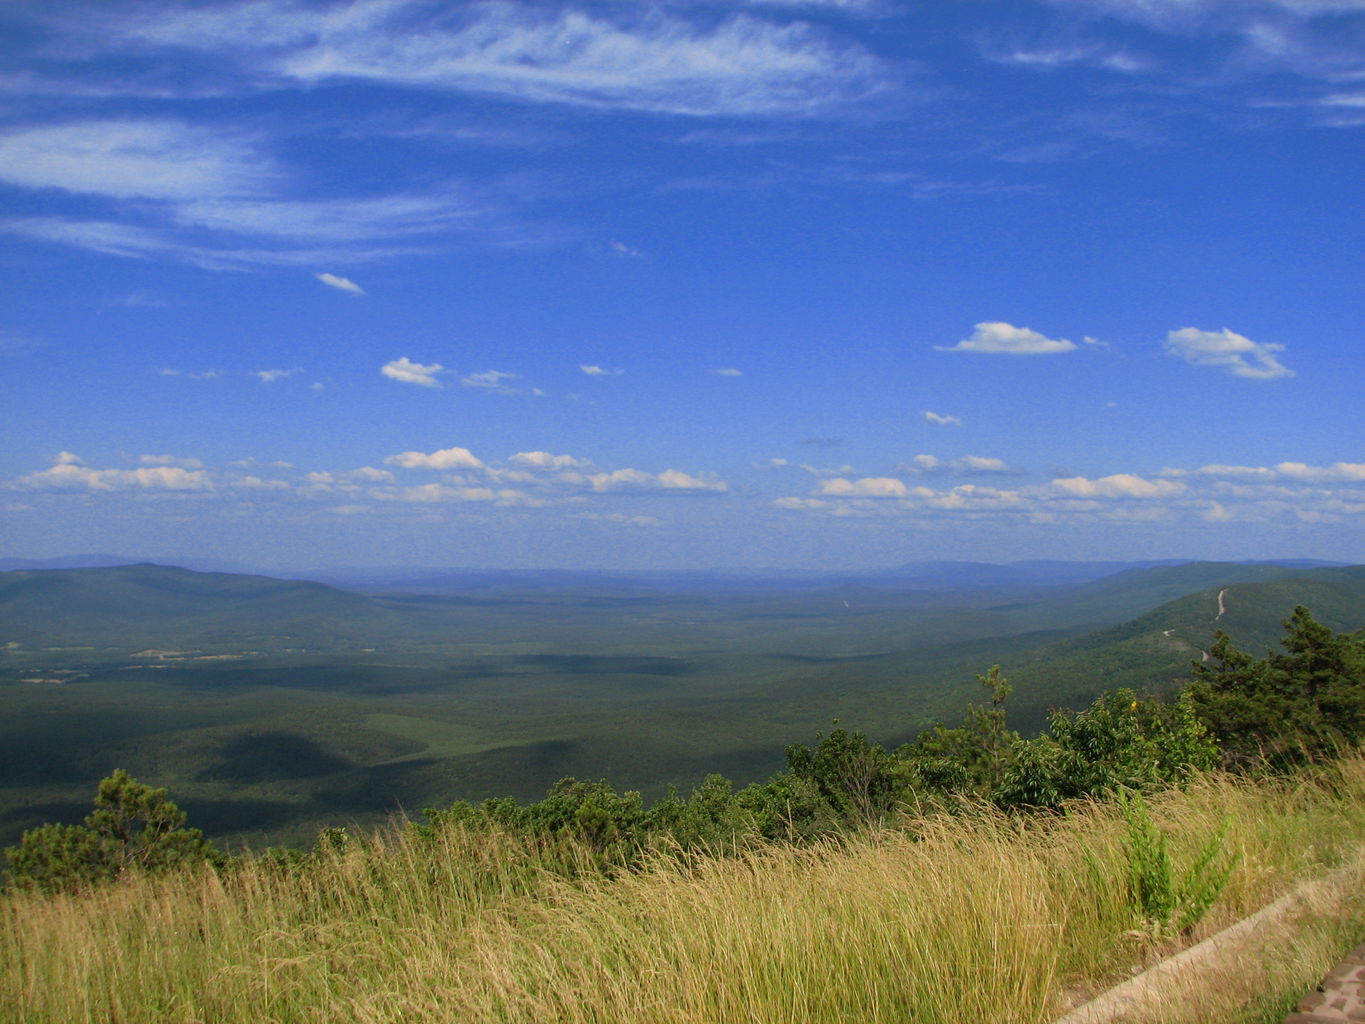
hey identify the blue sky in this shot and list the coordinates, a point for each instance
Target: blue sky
(681, 284)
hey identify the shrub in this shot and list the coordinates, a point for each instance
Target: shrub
(133, 827)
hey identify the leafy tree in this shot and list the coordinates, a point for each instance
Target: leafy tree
(859, 779)
(132, 828)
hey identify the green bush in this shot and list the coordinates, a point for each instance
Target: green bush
(132, 828)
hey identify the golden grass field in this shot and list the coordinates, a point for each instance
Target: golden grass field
(952, 917)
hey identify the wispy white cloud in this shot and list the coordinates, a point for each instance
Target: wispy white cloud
(656, 62)
(157, 241)
(941, 420)
(191, 375)
(336, 220)
(1308, 38)
(597, 371)
(999, 338)
(490, 380)
(819, 471)
(844, 6)
(622, 518)
(621, 249)
(408, 372)
(1344, 472)
(196, 192)
(1054, 57)
(134, 159)
(270, 376)
(728, 371)
(1226, 350)
(344, 284)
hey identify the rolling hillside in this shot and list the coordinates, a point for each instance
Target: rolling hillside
(149, 605)
(1153, 650)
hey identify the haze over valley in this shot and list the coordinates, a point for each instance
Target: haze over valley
(274, 708)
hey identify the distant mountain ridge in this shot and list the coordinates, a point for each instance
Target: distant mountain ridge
(145, 602)
(931, 573)
(153, 605)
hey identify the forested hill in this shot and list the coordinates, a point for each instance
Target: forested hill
(145, 604)
(275, 707)
(1152, 650)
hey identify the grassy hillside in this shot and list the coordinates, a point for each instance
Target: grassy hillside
(942, 919)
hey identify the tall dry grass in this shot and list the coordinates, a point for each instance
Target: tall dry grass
(969, 916)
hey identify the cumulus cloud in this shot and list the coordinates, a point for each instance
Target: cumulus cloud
(866, 487)
(257, 483)
(967, 465)
(445, 458)
(941, 420)
(639, 480)
(1118, 485)
(1352, 471)
(408, 372)
(999, 338)
(544, 460)
(597, 371)
(342, 284)
(1287, 493)
(72, 476)
(1226, 350)
(371, 474)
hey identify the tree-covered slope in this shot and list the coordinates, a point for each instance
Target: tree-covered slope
(1154, 649)
(155, 605)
